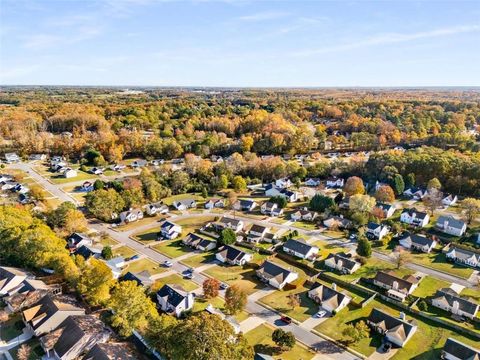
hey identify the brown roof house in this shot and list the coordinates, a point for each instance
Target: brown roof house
(329, 298)
(111, 351)
(398, 288)
(396, 330)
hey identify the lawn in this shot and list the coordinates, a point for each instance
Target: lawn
(12, 328)
(279, 301)
(439, 262)
(261, 340)
(107, 241)
(244, 277)
(144, 264)
(327, 248)
(36, 353)
(218, 303)
(147, 236)
(473, 293)
(429, 286)
(174, 279)
(124, 251)
(81, 176)
(306, 225)
(145, 221)
(172, 248)
(198, 260)
(169, 200)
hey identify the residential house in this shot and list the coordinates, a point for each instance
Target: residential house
(415, 193)
(157, 162)
(36, 157)
(312, 182)
(96, 171)
(463, 256)
(398, 288)
(376, 231)
(447, 299)
(118, 167)
(77, 240)
(74, 336)
(111, 351)
(342, 262)
(456, 350)
(283, 183)
(169, 230)
(139, 163)
(271, 209)
(184, 204)
(387, 209)
(49, 312)
(417, 242)
(88, 251)
(337, 222)
(275, 275)
(21, 189)
(69, 173)
(87, 186)
(215, 204)
(272, 190)
(303, 214)
(142, 278)
(10, 278)
(300, 249)
(199, 243)
(329, 298)
(259, 233)
(335, 182)
(174, 300)
(116, 265)
(8, 185)
(245, 205)
(24, 199)
(451, 226)
(414, 217)
(449, 199)
(229, 223)
(156, 208)
(398, 331)
(11, 158)
(23, 299)
(131, 215)
(233, 256)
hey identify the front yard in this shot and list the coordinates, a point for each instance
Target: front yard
(11, 328)
(439, 262)
(172, 248)
(198, 260)
(144, 265)
(244, 277)
(124, 251)
(174, 279)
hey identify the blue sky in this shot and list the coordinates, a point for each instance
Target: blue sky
(240, 43)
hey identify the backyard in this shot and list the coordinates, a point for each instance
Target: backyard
(244, 277)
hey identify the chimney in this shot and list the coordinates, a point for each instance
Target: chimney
(334, 286)
(402, 316)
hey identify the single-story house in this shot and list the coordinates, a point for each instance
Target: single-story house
(142, 278)
(174, 300)
(456, 350)
(131, 215)
(414, 217)
(10, 278)
(376, 231)
(215, 203)
(329, 298)
(233, 256)
(157, 162)
(35, 157)
(116, 265)
(229, 223)
(387, 209)
(139, 163)
(289, 195)
(300, 249)
(88, 251)
(450, 225)
(398, 331)
(76, 240)
(449, 199)
(118, 167)
(463, 256)
(271, 209)
(275, 275)
(335, 182)
(156, 208)
(417, 242)
(69, 173)
(184, 204)
(337, 222)
(448, 300)
(96, 171)
(304, 214)
(312, 182)
(169, 230)
(11, 158)
(245, 205)
(398, 288)
(342, 262)
(199, 243)
(415, 193)
(283, 183)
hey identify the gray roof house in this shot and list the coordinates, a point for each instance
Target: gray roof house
(396, 330)
(328, 297)
(448, 300)
(276, 275)
(111, 351)
(175, 300)
(233, 256)
(451, 226)
(300, 249)
(464, 256)
(417, 242)
(342, 262)
(456, 350)
(10, 278)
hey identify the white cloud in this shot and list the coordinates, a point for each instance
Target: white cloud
(41, 41)
(263, 16)
(391, 38)
(16, 72)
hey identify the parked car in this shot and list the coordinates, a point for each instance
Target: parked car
(167, 263)
(286, 320)
(320, 314)
(188, 275)
(387, 346)
(223, 286)
(134, 257)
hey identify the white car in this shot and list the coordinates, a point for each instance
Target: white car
(320, 314)
(167, 263)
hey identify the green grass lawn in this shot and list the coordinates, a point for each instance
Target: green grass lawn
(124, 251)
(327, 248)
(279, 301)
(169, 200)
(11, 328)
(172, 248)
(439, 262)
(147, 236)
(245, 278)
(36, 350)
(261, 340)
(107, 241)
(145, 221)
(218, 303)
(306, 225)
(81, 176)
(429, 286)
(196, 261)
(471, 292)
(174, 279)
(144, 264)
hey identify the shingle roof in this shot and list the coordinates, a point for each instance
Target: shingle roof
(174, 295)
(111, 351)
(328, 295)
(142, 278)
(452, 222)
(418, 240)
(388, 279)
(272, 270)
(393, 326)
(299, 246)
(464, 254)
(229, 221)
(346, 262)
(231, 253)
(449, 297)
(461, 350)
(418, 214)
(258, 228)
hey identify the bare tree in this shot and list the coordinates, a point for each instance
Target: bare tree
(401, 256)
(294, 301)
(24, 352)
(433, 200)
(3, 316)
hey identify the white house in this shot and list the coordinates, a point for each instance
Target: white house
(215, 203)
(312, 182)
(398, 331)
(398, 288)
(414, 217)
(450, 225)
(156, 208)
(303, 214)
(387, 209)
(199, 243)
(245, 205)
(456, 350)
(184, 204)
(69, 173)
(463, 256)
(449, 199)
(376, 231)
(169, 230)
(271, 209)
(415, 193)
(131, 215)
(116, 265)
(10, 278)
(329, 298)
(229, 223)
(448, 300)
(11, 158)
(275, 275)
(96, 171)
(76, 240)
(335, 182)
(342, 262)
(417, 242)
(300, 249)
(283, 183)
(174, 300)
(233, 256)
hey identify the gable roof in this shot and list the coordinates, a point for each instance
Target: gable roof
(373, 226)
(449, 297)
(258, 228)
(461, 350)
(271, 270)
(452, 222)
(231, 253)
(383, 206)
(464, 254)
(167, 225)
(391, 325)
(142, 278)
(418, 240)
(7, 274)
(388, 278)
(328, 295)
(414, 212)
(111, 351)
(347, 262)
(299, 246)
(173, 295)
(229, 221)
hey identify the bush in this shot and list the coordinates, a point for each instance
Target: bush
(422, 305)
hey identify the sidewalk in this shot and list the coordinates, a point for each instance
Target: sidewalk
(251, 323)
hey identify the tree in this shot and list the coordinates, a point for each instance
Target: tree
(279, 200)
(385, 194)
(74, 222)
(239, 184)
(355, 333)
(24, 352)
(294, 301)
(210, 288)
(284, 339)
(470, 208)
(232, 199)
(133, 197)
(398, 184)
(37, 193)
(434, 184)
(433, 200)
(180, 182)
(3, 316)
(228, 237)
(364, 248)
(98, 185)
(95, 282)
(422, 305)
(107, 252)
(56, 218)
(401, 256)
(361, 203)
(131, 308)
(222, 182)
(321, 203)
(410, 180)
(104, 204)
(235, 299)
(353, 186)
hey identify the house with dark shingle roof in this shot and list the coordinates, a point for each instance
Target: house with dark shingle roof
(451, 226)
(198, 242)
(300, 249)
(169, 230)
(414, 217)
(448, 300)
(328, 297)
(10, 278)
(76, 240)
(111, 351)
(303, 214)
(245, 205)
(233, 256)
(464, 256)
(229, 223)
(174, 300)
(142, 278)
(184, 204)
(275, 275)
(376, 231)
(396, 330)
(271, 209)
(456, 350)
(387, 209)
(398, 288)
(74, 336)
(342, 262)
(417, 242)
